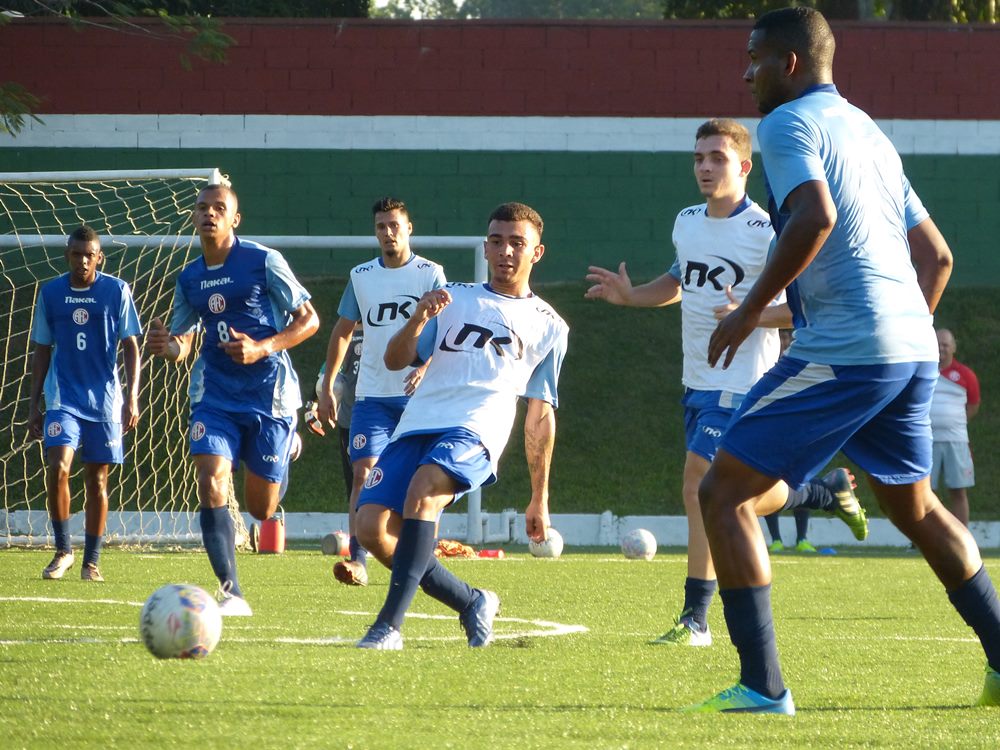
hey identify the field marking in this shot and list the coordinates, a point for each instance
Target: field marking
(63, 600)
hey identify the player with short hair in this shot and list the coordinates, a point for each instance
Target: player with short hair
(721, 245)
(956, 401)
(80, 318)
(244, 391)
(491, 343)
(381, 294)
(864, 266)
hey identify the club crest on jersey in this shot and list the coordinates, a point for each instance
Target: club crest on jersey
(359, 442)
(80, 316)
(217, 303)
(387, 313)
(197, 431)
(374, 477)
(473, 337)
(54, 429)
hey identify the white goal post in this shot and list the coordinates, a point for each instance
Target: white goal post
(143, 219)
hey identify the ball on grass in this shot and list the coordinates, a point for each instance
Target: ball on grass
(550, 547)
(639, 544)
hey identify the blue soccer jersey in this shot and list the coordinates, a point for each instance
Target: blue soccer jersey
(83, 327)
(858, 302)
(253, 292)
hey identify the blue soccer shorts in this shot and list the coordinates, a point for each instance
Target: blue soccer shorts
(459, 452)
(262, 442)
(372, 423)
(796, 418)
(705, 419)
(101, 441)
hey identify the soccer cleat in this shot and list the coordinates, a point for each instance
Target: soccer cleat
(991, 690)
(231, 605)
(848, 508)
(477, 618)
(685, 632)
(62, 562)
(804, 545)
(776, 546)
(382, 637)
(89, 572)
(739, 699)
(351, 572)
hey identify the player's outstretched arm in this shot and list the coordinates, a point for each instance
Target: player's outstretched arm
(336, 350)
(773, 316)
(133, 367)
(160, 343)
(401, 351)
(616, 287)
(932, 259)
(245, 350)
(539, 440)
(40, 360)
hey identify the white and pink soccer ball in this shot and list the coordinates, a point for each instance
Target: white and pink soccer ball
(180, 621)
(639, 544)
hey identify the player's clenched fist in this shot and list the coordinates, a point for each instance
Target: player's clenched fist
(158, 339)
(433, 302)
(242, 349)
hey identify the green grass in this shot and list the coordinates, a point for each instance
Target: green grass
(873, 653)
(620, 438)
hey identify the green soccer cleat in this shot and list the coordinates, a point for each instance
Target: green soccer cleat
(776, 546)
(685, 632)
(848, 508)
(739, 699)
(991, 689)
(804, 545)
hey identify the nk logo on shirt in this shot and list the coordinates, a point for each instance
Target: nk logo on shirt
(699, 274)
(473, 337)
(387, 313)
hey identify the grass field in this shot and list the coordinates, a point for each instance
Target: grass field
(873, 653)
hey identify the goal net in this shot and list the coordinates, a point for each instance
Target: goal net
(143, 219)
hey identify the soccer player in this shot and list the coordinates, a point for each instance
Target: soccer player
(244, 391)
(492, 343)
(80, 318)
(864, 267)
(721, 245)
(956, 401)
(381, 294)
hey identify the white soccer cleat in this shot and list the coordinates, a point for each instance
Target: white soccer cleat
(62, 562)
(233, 606)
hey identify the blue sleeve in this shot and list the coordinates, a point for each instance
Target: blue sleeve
(425, 344)
(915, 211)
(128, 320)
(41, 331)
(349, 307)
(675, 269)
(184, 318)
(544, 381)
(283, 288)
(789, 150)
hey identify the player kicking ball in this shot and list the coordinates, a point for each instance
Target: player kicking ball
(491, 344)
(244, 391)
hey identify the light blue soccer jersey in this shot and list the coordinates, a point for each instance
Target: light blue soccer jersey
(252, 292)
(83, 327)
(858, 302)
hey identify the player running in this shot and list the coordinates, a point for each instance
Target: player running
(244, 391)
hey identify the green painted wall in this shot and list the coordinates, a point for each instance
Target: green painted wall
(599, 207)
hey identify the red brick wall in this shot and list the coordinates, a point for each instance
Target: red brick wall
(351, 67)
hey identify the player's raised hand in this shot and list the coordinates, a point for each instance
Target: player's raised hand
(730, 333)
(158, 339)
(609, 286)
(433, 302)
(723, 310)
(242, 349)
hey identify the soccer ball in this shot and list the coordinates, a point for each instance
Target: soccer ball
(639, 544)
(337, 543)
(180, 621)
(551, 547)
